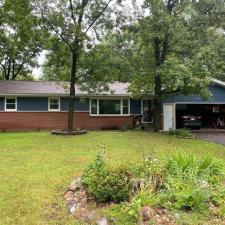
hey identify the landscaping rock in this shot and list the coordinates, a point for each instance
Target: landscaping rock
(69, 194)
(146, 213)
(102, 221)
(85, 215)
(73, 209)
(76, 185)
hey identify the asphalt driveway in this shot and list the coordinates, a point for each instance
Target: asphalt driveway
(216, 137)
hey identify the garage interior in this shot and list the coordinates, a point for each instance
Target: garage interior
(213, 115)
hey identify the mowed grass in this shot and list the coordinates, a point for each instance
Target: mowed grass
(36, 167)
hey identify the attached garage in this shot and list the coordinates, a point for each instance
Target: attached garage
(209, 113)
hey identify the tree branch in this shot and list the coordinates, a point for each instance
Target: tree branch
(98, 16)
(170, 92)
(4, 69)
(18, 71)
(9, 69)
(57, 32)
(72, 12)
(81, 14)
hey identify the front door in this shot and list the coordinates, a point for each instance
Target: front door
(168, 117)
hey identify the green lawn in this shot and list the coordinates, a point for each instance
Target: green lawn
(35, 168)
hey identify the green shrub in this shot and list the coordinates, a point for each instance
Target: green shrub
(191, 183)
(107, 184)
(186, 194)
(206, 169)
(182, 133)
(144, 198)
(181, 182)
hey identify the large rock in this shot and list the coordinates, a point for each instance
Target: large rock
(69, 194)
(76, 185)
(146, 213)
(102, 221)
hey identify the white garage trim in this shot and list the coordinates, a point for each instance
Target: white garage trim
(169, 116)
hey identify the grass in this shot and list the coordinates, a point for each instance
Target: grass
(36, 167)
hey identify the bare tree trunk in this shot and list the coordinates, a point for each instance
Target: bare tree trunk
(158, 87)
(72, 92)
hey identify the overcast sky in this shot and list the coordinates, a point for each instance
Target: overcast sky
(37, 71)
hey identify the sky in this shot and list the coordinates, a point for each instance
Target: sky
(37, 72)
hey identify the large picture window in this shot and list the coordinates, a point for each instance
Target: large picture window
(10, 104)
(109, 107)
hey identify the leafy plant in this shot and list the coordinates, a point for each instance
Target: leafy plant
(182, 133)
(186, 194)
(107, 184)
(183, 165)
(191, 183)
(144, 198)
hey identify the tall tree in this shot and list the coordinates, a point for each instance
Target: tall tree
(109, 60)
(20, 39)
(74, 23)
(173, 41)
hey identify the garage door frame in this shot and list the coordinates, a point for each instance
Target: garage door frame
(193, 103)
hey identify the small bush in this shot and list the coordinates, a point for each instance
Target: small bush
(182, 133)
(184, 166)
(107, 184)
(186, 194)
(191, 183)
(143, 198)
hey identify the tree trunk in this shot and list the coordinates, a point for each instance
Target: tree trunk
(72, 91)
(158, 87)
(157, 114)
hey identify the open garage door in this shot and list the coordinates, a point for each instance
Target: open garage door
(202, 115)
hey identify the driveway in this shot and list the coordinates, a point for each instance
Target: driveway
(216, 137)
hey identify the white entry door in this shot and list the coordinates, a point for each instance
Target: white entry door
(168, 117)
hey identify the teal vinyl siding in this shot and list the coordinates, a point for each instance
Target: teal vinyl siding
(35, 104)
(218, 96)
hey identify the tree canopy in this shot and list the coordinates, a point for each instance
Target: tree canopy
(20, 40)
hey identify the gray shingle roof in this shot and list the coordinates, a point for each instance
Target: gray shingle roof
(50, 88)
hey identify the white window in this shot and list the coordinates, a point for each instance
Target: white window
(54, 104)
(10, 104)
(94, 106)
(109, 107)
(125, 106)
(147, 112)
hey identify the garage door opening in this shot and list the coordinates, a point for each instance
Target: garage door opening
(197, 116)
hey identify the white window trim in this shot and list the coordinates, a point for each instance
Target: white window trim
(10, 110)
(142, 112)
(116, 115)
(54, 110)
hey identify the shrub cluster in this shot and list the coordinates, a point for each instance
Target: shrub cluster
(106, 184)
(182, 133)
(181, 182)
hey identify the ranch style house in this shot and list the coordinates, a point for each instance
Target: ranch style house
(43, 105)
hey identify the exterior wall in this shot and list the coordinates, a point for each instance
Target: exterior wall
(80, 104)
(2, 103)
(32, 104)
(218, 96)
(135, 107)
(40, 104)
(58, 120)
